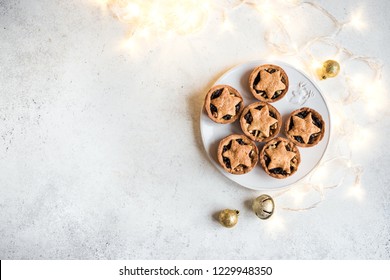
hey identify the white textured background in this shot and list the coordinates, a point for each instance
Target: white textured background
(101, 156)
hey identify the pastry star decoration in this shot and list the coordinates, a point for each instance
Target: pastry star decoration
(261, 120)
(270, 83)
(226, 103)
(304, 127)
(238, 154)
(280, 157)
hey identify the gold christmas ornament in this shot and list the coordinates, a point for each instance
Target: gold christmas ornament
(330, 69)
(228, 218)
(263, 206)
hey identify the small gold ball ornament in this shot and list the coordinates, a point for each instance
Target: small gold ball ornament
(228, 218)
(330, 69)
(263, 206)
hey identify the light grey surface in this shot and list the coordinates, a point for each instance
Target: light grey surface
(101, 156)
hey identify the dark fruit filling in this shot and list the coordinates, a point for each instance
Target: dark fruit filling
(238, 106)
(278, 171)
(248, 117)
(216, 93)
(316, 121)
(227, 147)
(299, 139)
(267, 160)
(227, 117)
(259, 107)
(272, 115)
(213, 109)
(291, 124)
(302, 114)
(312, 138)
(226, 161)
(239, 141)
(256, 81)
(270, 70)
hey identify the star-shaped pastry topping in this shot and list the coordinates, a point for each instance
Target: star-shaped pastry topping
(280, 157)
(261, 120)
(270, 83)
(238, 154)
(226, 103)
(304, 127)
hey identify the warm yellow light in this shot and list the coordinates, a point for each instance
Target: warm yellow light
(375, 98)
(357, 83)
(356, 21)
(182, 17)
(101, 3)
(132, 10)
(266, 10)
(320, 173)
(131, 45)
(319, 188)
(338, 120)
(315, 65)
(360, 138)
(275, 224)
(227, 25)
(357, 192)
(298, 195)
(370, 91)
(206, 5)
(188, 19)
(292, 2)
(144, 33)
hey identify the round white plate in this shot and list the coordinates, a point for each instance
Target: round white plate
(302, 92)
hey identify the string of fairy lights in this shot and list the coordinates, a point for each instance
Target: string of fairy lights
(147, 19)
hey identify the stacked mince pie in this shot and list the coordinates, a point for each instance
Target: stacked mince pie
(261, 122)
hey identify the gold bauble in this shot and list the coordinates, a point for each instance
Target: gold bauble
(263, 206)
(228, 218)
(330, 69)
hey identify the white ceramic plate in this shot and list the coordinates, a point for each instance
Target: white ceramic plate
(302, 92)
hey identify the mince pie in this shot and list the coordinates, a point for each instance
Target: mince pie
(237, 154)
(280, 158)
(223, 104)
(260, 121)
(268, 83)
(305, 127)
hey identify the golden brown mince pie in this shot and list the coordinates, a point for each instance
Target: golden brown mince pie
(268, 83)
(260, 121)
(223, 104)
(305, 127)
(280, 158)
(237, 154)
